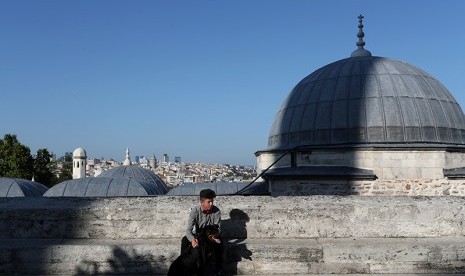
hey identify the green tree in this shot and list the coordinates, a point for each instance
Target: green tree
(66, 172)
(43, 168)
(15, 158)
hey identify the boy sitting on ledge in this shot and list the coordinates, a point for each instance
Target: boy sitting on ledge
(200, 216)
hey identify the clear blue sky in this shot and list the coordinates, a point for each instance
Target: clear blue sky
(197, 79)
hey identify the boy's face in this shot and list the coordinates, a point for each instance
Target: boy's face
(206, 203)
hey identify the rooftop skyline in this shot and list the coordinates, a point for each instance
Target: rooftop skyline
(201, 80)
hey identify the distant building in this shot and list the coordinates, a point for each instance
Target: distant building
(177, 159)
(166, 158)
(144, 162)
(153, 161)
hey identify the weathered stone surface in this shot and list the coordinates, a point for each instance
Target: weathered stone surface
(255, 256)
(394, 187)
(414, 172)
(243, 217)
(316, 234)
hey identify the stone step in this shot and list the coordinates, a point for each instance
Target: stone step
(246, 257)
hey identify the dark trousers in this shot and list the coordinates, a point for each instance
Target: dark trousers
(218, 247)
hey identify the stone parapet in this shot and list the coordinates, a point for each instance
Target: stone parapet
(242, 217)
(265, 235)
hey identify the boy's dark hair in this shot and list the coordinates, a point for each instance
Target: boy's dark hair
(207, 193)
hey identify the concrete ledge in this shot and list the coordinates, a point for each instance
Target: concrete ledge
(249, 257)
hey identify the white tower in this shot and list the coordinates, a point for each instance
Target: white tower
(79, 163)
(127, 161)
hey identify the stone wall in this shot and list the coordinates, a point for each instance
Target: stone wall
(398, 172)
(265, 235)
(259, 217)
(417, 187)
(386, 164)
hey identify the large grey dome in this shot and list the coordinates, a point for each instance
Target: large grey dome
(368, 101)
(12, 187)
(135, 172)
(104, 187)
(119, 181)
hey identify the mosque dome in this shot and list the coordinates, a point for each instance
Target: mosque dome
(104, 187)
(79, 153)
(11, 187)
(135, 172)
(368, 101)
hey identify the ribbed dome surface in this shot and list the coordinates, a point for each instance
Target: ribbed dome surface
(12, 187)
(368, 101)
(119, 181)
(104, 187)
(135, 172)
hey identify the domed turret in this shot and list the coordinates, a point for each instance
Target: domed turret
(79, 163)
(79, 153)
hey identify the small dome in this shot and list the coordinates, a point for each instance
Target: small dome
(11, 187)
(135, 172)
(79, 153)
(104, 187)
(221, 188)
(368, 101)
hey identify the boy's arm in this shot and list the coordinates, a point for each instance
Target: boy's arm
(217, 220)
(190, 225)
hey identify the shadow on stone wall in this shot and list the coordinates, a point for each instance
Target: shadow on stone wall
(122, 262)
(234, 231)
(32, 233)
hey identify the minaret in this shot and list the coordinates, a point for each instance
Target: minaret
(79, 163)
(360, 52)
(127, 161)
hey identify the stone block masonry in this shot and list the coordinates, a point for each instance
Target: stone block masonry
(265, 235)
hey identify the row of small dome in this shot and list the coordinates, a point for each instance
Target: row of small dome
(120, 181)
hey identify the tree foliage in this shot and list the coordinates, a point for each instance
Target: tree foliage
(43, 168)
(66, 172)
(16, 162)
(15, 158)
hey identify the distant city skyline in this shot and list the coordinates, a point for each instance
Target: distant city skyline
(199, 80)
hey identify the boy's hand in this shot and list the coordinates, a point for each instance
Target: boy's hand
(195, 243)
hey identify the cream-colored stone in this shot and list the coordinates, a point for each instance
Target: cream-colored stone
(431, 173)
(410, 173)
(390, 163)
(391, 173)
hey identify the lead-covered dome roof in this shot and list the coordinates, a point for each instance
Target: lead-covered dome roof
(119, 181)
(12, 187)
(135, 172)
(104, 187)
(371, 101)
